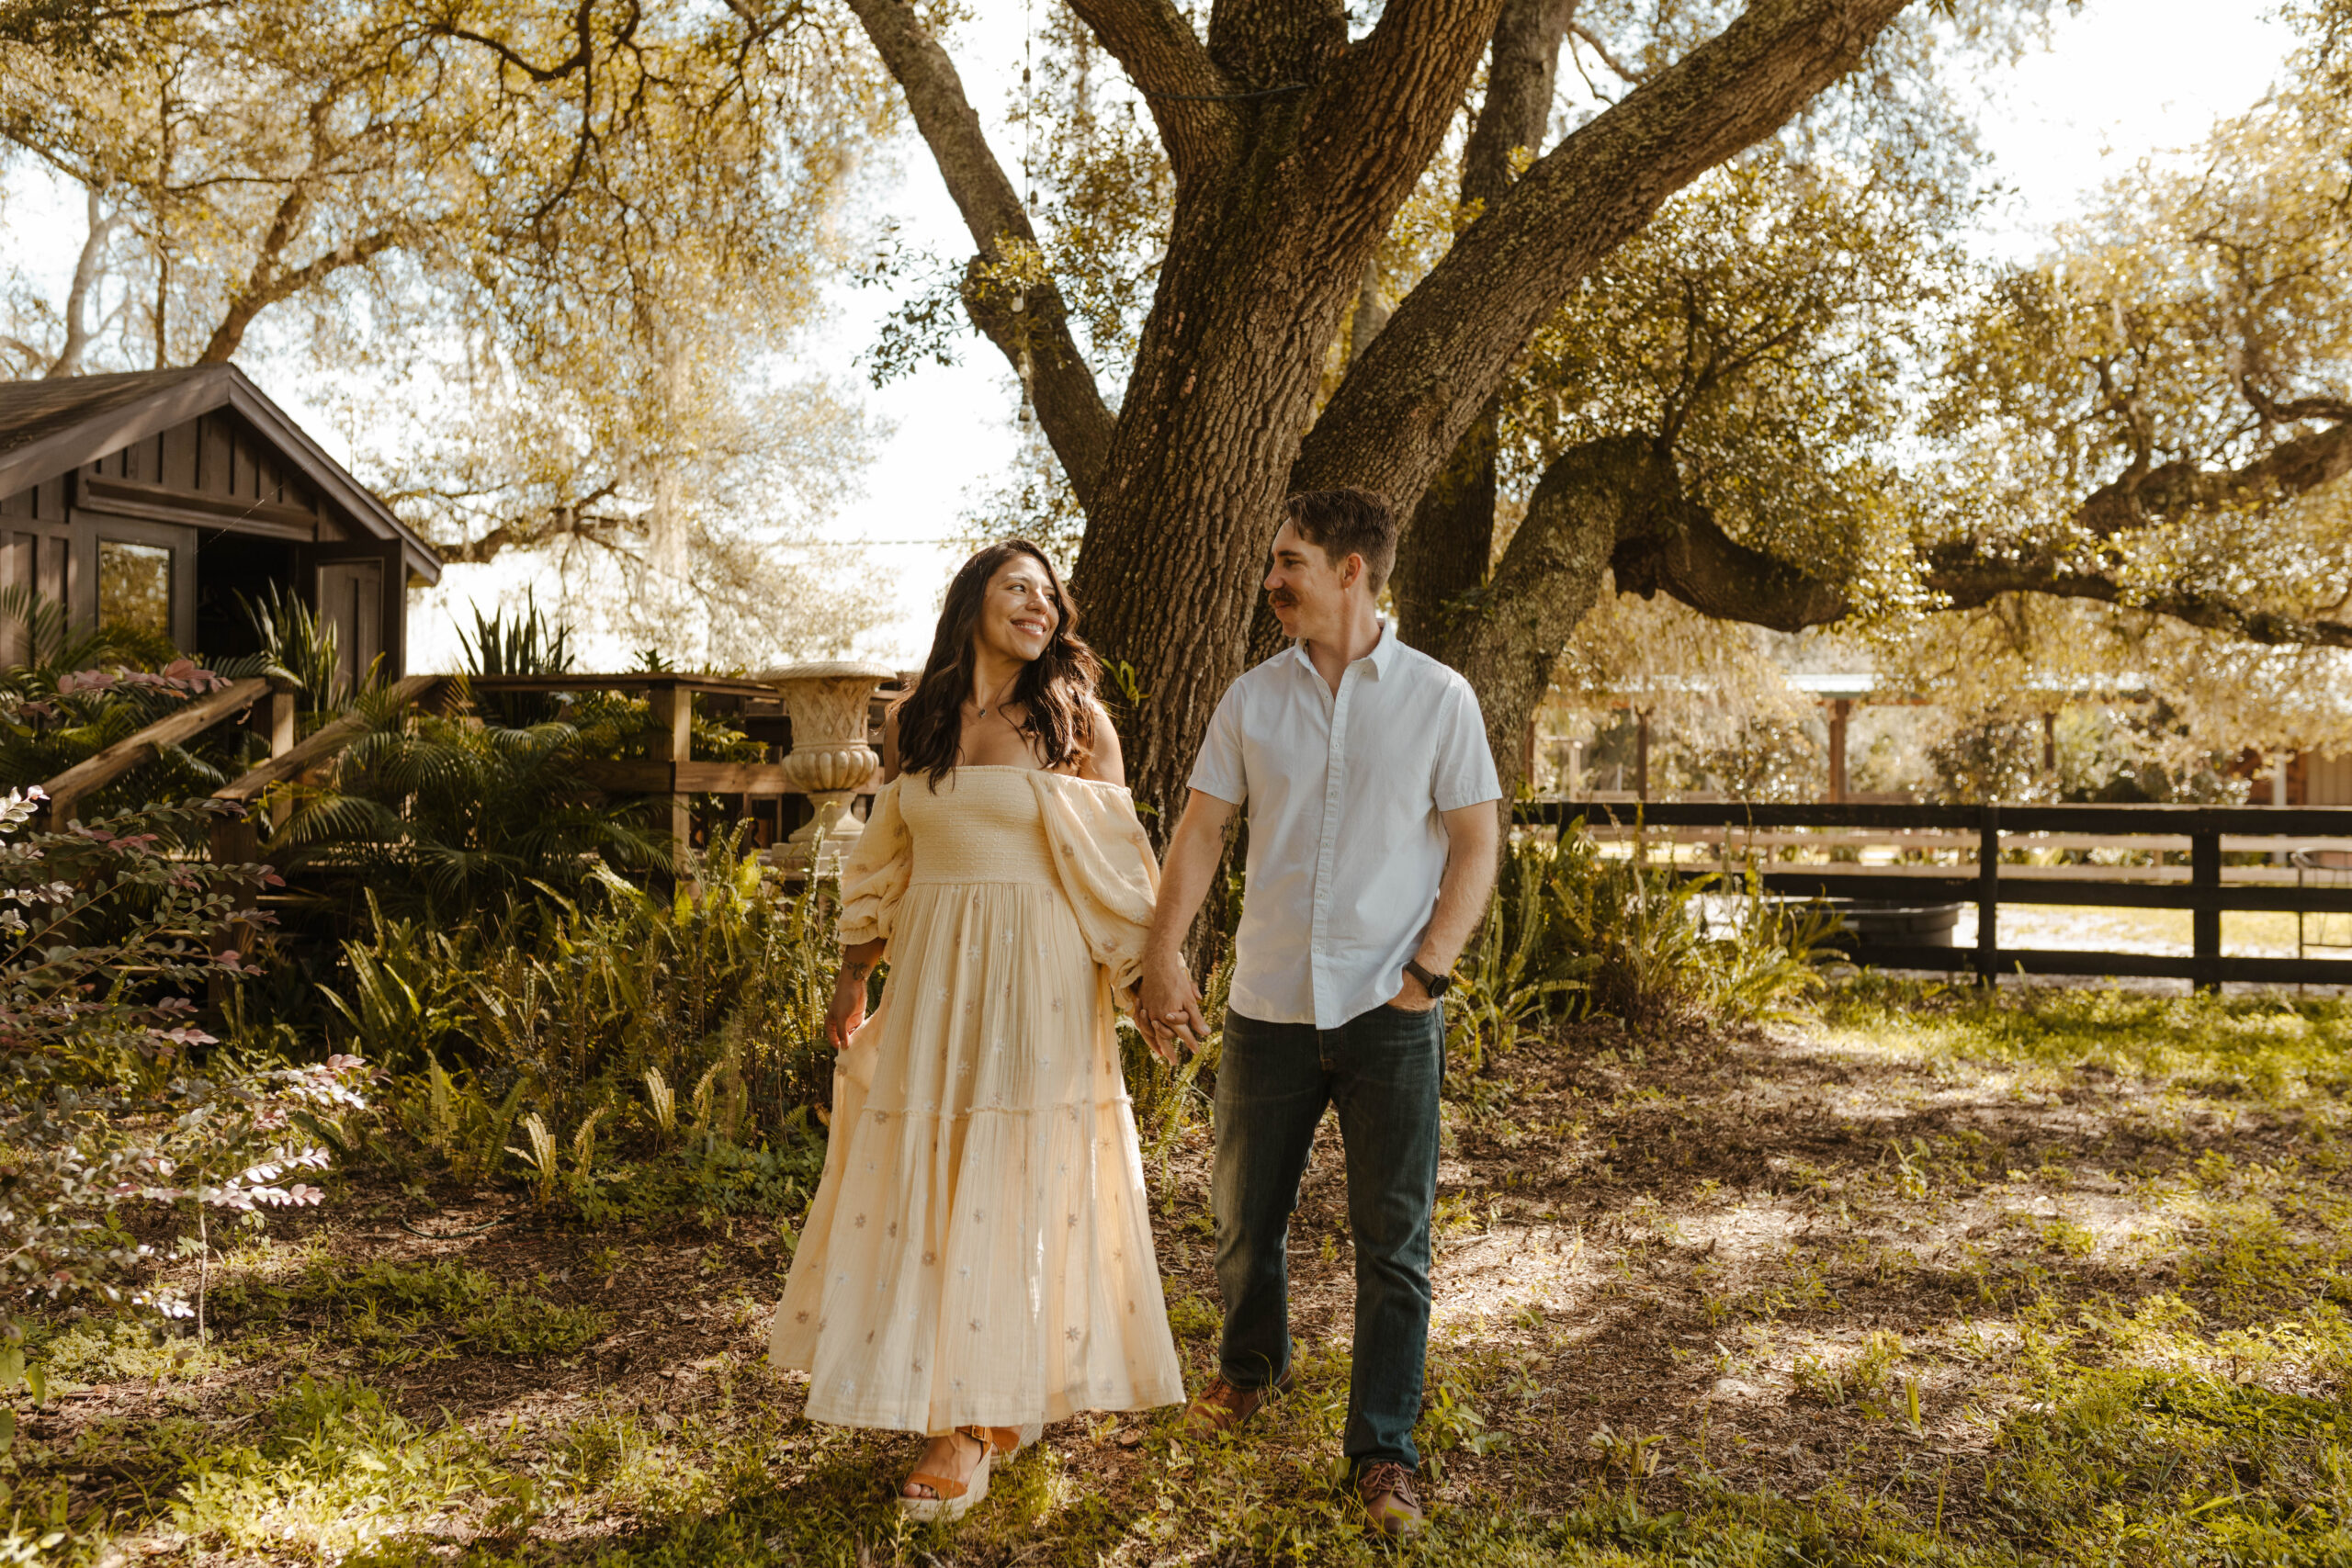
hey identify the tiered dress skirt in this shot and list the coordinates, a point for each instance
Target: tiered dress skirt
(979, 1251)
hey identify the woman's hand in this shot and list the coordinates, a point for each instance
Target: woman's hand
(848, 1008)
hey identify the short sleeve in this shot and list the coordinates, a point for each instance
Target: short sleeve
(1218, 770)
(1465, 765)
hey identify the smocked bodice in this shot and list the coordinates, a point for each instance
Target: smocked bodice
(981, 825)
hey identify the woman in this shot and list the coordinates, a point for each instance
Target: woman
(978, 1260)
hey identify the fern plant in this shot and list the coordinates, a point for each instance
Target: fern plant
(81, 690)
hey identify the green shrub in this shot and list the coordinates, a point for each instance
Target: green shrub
(84, 689)
(623, 1022)
(1634, 939)
(109, 1099)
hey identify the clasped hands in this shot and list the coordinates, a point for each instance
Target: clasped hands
(1168, 1008)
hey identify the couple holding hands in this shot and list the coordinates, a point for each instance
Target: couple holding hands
(979, 1259)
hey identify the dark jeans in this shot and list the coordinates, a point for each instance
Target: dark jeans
(1382, 1070)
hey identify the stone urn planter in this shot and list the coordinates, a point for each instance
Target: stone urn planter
(830, 761)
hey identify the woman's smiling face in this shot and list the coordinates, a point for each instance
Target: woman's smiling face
(1017, 611)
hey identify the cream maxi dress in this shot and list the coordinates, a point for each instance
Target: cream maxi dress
(979, 1251)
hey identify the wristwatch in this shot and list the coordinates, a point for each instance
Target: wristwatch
(1434, 984)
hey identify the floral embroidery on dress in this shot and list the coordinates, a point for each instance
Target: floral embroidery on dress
(942, 1131)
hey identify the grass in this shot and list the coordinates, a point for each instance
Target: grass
(2058, 1277)
(2243, 933)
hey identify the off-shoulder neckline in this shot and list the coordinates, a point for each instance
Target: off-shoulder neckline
(1021, 768)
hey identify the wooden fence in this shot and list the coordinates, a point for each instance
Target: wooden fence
(760, 793)
(1771, 836)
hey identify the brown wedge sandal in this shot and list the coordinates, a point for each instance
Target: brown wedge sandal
(953, 1499)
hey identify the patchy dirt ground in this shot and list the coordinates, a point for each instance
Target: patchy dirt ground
(1927, 1279)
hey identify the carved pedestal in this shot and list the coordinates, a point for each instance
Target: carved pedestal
(829, 760)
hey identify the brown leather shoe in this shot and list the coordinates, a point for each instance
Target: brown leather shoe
(1221, 1407)
(1390, 1498)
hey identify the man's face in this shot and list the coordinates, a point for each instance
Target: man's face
(1307, 591)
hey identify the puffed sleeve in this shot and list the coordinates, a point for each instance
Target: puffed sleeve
(874, 876)
(1107, 870)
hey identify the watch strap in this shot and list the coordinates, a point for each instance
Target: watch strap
(1434, 984)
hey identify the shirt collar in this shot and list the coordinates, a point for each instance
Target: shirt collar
(1383, 654)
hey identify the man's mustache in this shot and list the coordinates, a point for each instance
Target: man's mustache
(1282, 599)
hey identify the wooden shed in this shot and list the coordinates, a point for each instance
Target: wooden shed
(157, 497)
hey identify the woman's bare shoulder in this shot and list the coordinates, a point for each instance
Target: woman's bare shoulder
(1103, 763)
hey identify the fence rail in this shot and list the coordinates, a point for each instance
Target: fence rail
(2208, 890)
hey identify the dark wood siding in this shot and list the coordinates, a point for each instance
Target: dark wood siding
(35, 550)
(216, 455)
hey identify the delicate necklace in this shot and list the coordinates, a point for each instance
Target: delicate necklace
(983, 707)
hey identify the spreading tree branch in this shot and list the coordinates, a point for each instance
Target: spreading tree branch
(1969, 583)
(1390, 99)
(1006, 292)
(2180, 489)
(1398, 413)
(1188, 95)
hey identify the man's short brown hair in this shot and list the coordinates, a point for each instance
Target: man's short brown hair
(1344, 523)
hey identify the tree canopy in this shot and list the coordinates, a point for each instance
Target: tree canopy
(547, 253)
(1705, 330)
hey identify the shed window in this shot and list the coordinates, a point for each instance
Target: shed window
(135, 585)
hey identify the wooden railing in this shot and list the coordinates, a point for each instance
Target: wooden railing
(93, 773)
(237, 839)
(1766, 835)
(672, 776)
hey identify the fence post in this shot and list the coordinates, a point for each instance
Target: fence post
(281, 708)
(2205, 917)
(673, 716)
(1988, 895)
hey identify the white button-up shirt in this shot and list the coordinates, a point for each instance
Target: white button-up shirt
(1346, 844)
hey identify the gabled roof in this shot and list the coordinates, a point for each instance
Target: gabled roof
(51, 427)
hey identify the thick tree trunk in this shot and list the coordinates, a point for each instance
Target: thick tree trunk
(1507, 641)
(1449, 538)
(1265, 256)
(1292, 149)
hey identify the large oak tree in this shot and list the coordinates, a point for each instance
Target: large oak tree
(1295, 150)
(1293, 145)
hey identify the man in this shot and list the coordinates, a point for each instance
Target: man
(1372, 838)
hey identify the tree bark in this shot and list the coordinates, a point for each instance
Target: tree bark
(1265, 255)
(1506, 638)
(77, 294)
(1447, 543)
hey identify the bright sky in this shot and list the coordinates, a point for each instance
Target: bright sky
(2123, 80)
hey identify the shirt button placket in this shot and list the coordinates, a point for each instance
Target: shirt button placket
(1334, 789)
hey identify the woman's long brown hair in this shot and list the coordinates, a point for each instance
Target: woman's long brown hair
(1056, 690)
